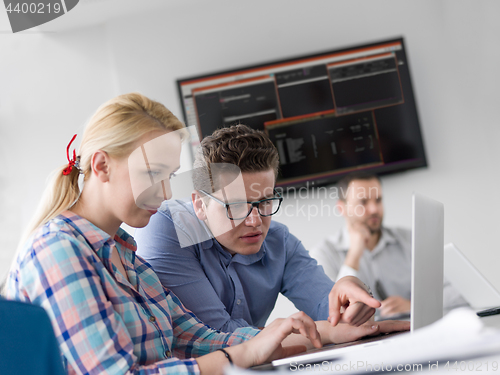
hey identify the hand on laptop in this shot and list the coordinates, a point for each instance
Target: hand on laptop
(350, 302)
(345, 333)
(394, 305)
(275, 341)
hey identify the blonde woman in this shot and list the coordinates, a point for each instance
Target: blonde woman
(110, 313)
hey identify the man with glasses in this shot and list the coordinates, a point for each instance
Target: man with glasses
(224, 257)
(241, 210)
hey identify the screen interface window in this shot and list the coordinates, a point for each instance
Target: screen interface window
(327, 114)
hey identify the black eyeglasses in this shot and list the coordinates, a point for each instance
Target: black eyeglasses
(241, 210)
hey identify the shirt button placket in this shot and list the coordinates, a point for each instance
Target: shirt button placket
(167, 353)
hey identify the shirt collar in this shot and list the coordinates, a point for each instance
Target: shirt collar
(252, 258)
(386, 238)
(94, 235)
(239, 258)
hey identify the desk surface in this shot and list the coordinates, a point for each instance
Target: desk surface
(464, 350)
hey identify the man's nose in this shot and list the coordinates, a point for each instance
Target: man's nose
(372, 207)
(254, 218)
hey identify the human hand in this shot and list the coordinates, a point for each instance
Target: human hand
(266, 346)
(388, 326)
(359, 235)
(394, 305)
(350, 295)
(342, 332)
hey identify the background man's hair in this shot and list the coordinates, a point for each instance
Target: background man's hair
(250, 150)
(343, 184)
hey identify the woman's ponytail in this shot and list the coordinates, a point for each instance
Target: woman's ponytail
(114, 129)
(61, 194)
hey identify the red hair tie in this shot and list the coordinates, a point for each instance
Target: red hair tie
(71, 162)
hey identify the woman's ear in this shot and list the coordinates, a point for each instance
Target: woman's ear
(99, 165)
(199, 205)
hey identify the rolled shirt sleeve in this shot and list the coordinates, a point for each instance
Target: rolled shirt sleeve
(345, 270)
(304, 282)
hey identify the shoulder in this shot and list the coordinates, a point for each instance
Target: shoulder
(55, 254)
(52, 236)
(278, 236)
(280, 243)
(278, 229)
(180, 211)
(176, 223)
(55, 245)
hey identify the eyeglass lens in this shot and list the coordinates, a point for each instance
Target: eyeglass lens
(242, 210)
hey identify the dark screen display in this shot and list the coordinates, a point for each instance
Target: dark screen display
(251, 105)
(368, 84)
(328, 113)
(304, 91)
(316, 146)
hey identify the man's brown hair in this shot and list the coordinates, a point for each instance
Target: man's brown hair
(343, 184)
(248, 149)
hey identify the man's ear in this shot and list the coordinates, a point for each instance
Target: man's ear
(100, 165)
(198, 205)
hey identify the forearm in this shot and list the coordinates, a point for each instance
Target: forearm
(323, 328)
(233, 324)
(352, 259)
(215, 362)
(209, 340)
(266, 346)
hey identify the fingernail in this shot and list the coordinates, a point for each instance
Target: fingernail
(374, 327)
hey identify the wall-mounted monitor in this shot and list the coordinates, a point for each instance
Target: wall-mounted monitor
(328, 114)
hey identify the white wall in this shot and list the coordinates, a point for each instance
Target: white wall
(54, 82)
(50, 85)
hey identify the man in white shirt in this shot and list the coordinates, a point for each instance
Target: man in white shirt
(379, 256)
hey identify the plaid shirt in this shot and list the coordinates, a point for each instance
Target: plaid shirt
(106, 324)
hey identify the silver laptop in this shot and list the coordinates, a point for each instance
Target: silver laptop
(426, 284)
(471, 284)
(427, 260)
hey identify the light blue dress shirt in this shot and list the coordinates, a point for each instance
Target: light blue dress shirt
(224, 291)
